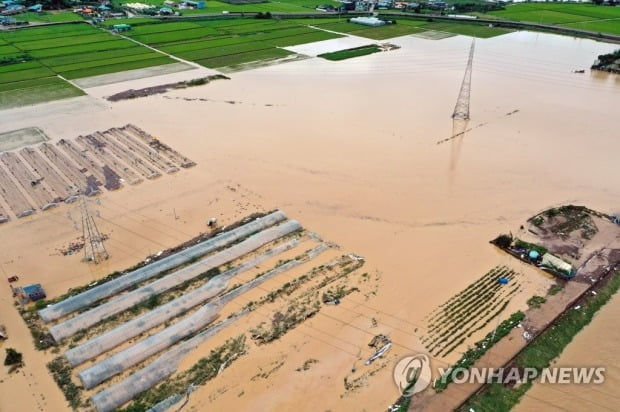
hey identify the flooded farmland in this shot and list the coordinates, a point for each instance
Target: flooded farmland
(351, 149)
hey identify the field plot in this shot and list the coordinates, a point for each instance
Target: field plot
(405, 27)
(224, 43)
(52, 173)
(469, 311)
(20, 138)
(35, 56)
(121, 337)
(580, 16)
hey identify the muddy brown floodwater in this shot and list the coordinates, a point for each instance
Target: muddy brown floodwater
(349, 149)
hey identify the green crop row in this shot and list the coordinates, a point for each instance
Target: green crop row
(37, 91)
(145, 55)
(224, 50)
(64, 41)
(98, 55)
(167, 37)
(113, 68)
(247, 57)
(83, 48)
(19, 66)
(27, 74)
(162, 28)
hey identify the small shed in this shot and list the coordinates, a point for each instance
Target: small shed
(121, 27)
(368, 21)
(196, 4)
(558, 264)
(32, 293)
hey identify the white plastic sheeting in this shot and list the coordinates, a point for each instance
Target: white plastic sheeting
(163, 313)
(121, 283)
(167, 363)
(125, 301)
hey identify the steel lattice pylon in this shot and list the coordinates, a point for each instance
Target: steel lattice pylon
(461, 110)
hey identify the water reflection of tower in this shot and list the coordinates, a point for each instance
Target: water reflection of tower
(94, 249)
(460, 116)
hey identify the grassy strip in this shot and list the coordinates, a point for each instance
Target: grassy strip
(114, 68)
(8, 49)
(543, 349)
(56, 90)
(27, 74)
(84, 48)
(146, 54)
(342, 26)
(303, 38)
(134, 21)
(87, 57)
(19, 66)
(37, 33)
(609, 26)
(25, 84)
(61, 372)
(64, 41)
(161, 28)
(388, 31)
(481, 347)
(47, 17)
(224, 50)
(473, 30)
(167, 37)
(350, 53)
(240, 58)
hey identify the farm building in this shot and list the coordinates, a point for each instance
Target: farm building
(121, 27)
(368, 21)
(30, 293)
(196, 4)
(556, 263)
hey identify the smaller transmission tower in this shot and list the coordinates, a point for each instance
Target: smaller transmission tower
(461, 110)
(94, 249)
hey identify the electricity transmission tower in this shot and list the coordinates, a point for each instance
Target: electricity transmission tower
(94, 249)
(461, 110)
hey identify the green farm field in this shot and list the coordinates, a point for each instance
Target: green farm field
(26, 92)
(34, 62)
(350, 53)
(405, 27)
(602, 19)
(220, 43)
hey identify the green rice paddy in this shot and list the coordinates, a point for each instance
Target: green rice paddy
(35, 61)
(222, 43)
(579, 16)
(405, 27)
